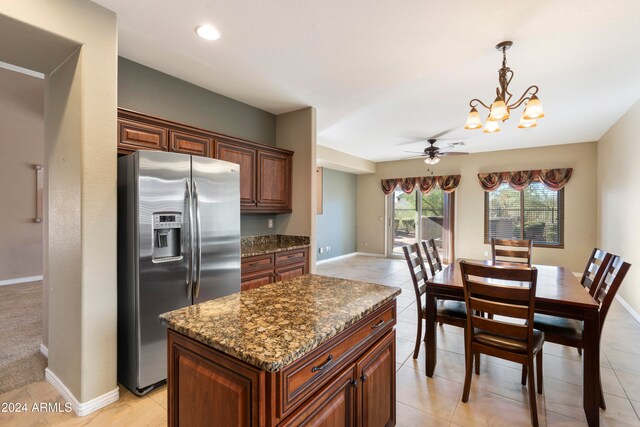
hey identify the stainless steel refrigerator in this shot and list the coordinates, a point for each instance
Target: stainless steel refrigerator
(178, 244)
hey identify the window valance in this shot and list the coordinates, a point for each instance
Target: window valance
(553, 179)
(448, 183)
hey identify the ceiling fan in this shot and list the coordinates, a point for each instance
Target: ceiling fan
(433, 153)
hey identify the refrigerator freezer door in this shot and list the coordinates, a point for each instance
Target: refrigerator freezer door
(216, 193)
(163, 206)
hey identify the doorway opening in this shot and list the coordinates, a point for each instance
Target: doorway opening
(415, 216)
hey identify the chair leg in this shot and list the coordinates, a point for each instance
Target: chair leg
(603, 405)
(524, 375)
(532, 395)
(468, 362)
(477, 363)
(539, 371)
(416, 350)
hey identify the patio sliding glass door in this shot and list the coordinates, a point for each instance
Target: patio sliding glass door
(416, 216)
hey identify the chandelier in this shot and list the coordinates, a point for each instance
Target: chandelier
(500, 109)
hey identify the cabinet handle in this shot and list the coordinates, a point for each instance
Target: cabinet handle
(324, 365)
(354, 382)
(380, 323)
(364, 377)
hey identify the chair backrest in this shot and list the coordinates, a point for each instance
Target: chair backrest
(609, 285)
(595, 269)
(417, 269)
(508, 298)
(433, 258)
(521, 256)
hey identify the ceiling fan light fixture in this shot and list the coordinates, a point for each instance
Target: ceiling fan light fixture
(491, 126)
(533, 110)
(473, 119)
(499, 110)
(432, 160)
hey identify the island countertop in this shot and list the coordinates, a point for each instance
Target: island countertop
(275, 325)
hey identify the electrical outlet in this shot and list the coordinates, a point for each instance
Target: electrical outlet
(486, 253)
(321, 250)
(270, 223)
(328, 248)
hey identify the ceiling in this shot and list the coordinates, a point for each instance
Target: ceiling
(382, 74)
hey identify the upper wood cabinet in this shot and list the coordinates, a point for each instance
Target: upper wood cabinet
(265, 171)
(133, 136)
(188, 143)
(246, 158)
(274, 186)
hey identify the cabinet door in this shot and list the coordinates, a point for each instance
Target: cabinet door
(257, 279)
(333, 406)
(202, 382)
(289, 272)
(133, 136)
(246, 158)
(376, 372)
(274, 181)
(186, 143)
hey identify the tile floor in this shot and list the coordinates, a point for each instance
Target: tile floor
(496, 399)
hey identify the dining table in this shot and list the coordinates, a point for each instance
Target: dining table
(558, 293)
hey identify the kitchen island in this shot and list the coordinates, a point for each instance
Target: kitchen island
(312, 349)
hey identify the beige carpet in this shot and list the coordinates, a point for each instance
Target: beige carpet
(20, 335)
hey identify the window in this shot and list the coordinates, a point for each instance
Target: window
(535, 213)
(418, 216)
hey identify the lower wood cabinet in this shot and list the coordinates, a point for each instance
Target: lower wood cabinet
(261, 270)
(354, 386)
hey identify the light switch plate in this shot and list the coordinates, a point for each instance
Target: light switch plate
(270, 223)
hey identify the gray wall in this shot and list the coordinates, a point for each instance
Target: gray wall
(336, 227)
(149, 91)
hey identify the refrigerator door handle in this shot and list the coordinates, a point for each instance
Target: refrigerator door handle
(198, 237)
(189, 280)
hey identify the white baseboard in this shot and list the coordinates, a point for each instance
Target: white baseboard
(44, 350)
(370, 254)
(81, 408)
(335, 258)
(20, 280)
(630, 309)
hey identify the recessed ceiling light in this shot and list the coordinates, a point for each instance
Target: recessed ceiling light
(208, 32)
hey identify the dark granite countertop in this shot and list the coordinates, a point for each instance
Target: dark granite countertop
(272, 326)
(260, 245)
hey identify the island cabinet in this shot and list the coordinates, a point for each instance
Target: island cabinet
(348, 380)
(265, 171)
(260, 270)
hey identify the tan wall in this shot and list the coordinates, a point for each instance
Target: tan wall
(21, 147)
(618, 201)
(580, 199)
(80, 159)
(296, 131)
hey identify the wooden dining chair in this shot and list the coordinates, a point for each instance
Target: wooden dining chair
(502, 250)
(593, 272)
(450, 312)
(517, 342)
(433, 258)
(569, 332)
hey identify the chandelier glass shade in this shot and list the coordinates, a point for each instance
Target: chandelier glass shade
(500, 109)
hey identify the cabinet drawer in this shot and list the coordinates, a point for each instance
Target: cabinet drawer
(290, 257)
(256, 279)
(258, 262)
(305, 376)
(290, 271)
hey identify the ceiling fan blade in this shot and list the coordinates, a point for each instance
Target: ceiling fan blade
(438, 135)
(415, 152)
(451, 153)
